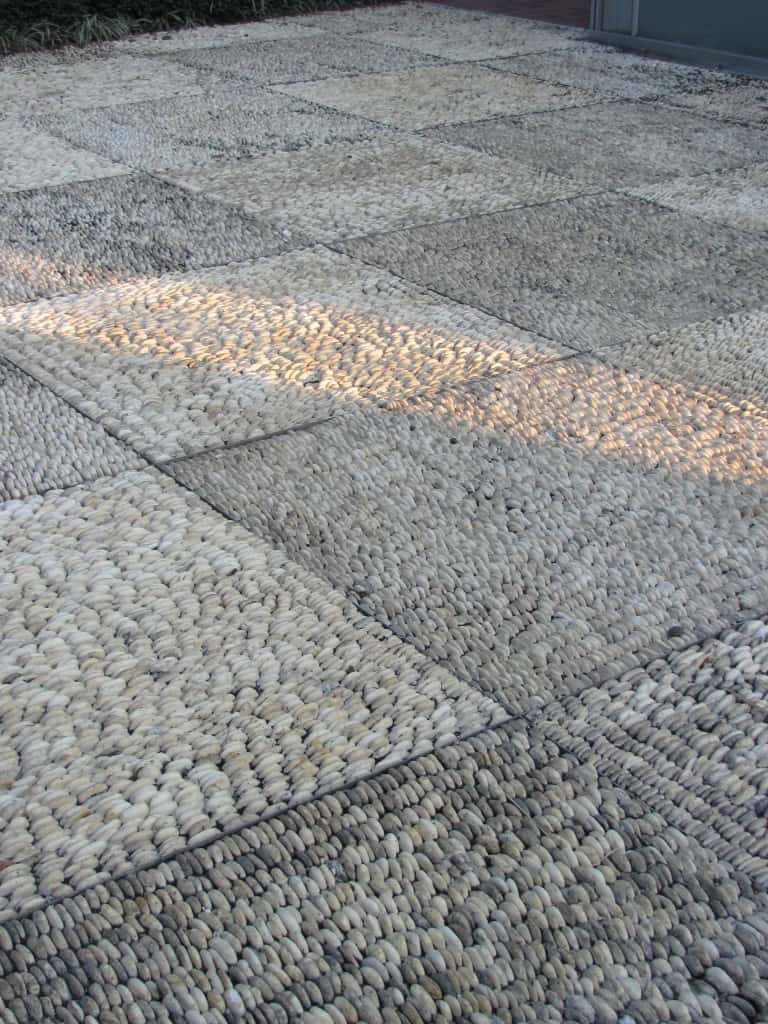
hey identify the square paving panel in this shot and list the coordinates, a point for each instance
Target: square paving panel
(506, 873)
(726, 359)
(195, 361)
(591, 270)
(603, 70)
(418, 19)
(745, 100)
(187, 132)
(287, 60)
(45, 443)
(167, 676)
(687, 734)
(737, 197)
(439, 95)
(349, 189)
(31, 158)
(50, 84)
(532, 532)
(470, 35)
(614, 144)
(74, 237)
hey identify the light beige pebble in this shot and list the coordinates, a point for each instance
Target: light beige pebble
(148, 763)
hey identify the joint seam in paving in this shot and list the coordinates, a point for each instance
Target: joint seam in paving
(531, 718)
(157, 464)
(269, 816)
(336, 247)
(243, 206)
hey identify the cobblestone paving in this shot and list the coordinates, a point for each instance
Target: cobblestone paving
(383, 529)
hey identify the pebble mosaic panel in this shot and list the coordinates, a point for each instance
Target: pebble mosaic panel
(167, 676)
(202, 360)
(531, 532)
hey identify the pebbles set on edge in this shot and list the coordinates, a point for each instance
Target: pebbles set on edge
(230, 793)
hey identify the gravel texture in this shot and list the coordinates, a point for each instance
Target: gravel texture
(447, 31)
(440, 95)
(216, 35)
(76, 237)
(618, 143)
(201, 679)
(687, 733)
(736, 197)
(604, 71)
(45, 443)
(530, 532)
(383, 529)
(58, 85)
(726, 359)
(286, 60)
(471, 35)
(501, 879)
(203, 360)
(334, 192)
(188, 132)
(32, 158)
(595, 269)
(745, 101)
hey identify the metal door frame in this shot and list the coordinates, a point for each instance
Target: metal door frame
(598, 13)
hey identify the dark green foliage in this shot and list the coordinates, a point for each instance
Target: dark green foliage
(44, 24)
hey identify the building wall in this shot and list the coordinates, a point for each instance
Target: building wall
(740, 26)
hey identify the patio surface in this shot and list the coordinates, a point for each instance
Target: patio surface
(383, 529)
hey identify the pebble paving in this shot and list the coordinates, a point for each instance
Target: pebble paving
(614, 73)
(350, 189)
(619, 142)
(433, 96)
(190, 132)
(76, 236)
(35, 158)
(458, 551)
(737, 197)
(195, 361)
(726, 359)
(648, 267)
(383, 528)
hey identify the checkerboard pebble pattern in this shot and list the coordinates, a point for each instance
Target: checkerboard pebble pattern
(80, 236)
(502, 878)
(434, 96)
(591, 270)
(615, 73)
(469, 35)
(455, 33)
(32, 158)
(745, 101)
(282, 60)
(167, 676)
(687, 734)
(335, 192)
(383, 529)
(204, 360)
(618, 142)
(726, 359)
(45, 443)
(414, 17)
(439, 515)
(188, 132)
(736, 197)
(56, 86)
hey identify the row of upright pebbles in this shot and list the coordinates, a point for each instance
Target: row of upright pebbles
(499, 879)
